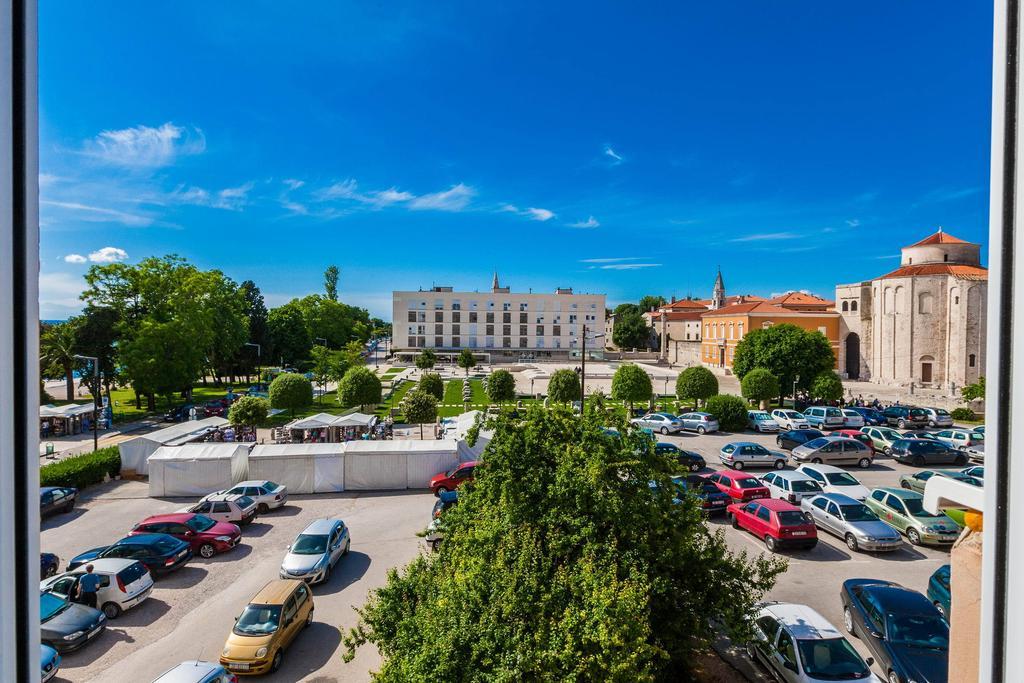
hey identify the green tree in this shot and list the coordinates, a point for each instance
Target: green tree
(827, 387)
(331, 282)
(972, 392)
(323, 367)
(630, 331)
(696, 384)
(419, 407)
(58, 345)
(291, 391)
(432, 383)
(97, 336)
(729, 410)
(501, 386)
(249, 411)
(564, 386)
(426, 360)
(759, 385)
(255, 311)
(787, 351)
(359, 387)
(630, 384)
(651, 302)
(352, 354)
(289, 336)
(566, 565)
(466, 360)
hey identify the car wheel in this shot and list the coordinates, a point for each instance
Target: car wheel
(262, 508)
(931, 423)
(737, 465)
(68, 508)
(327, 573)
(918, 461)
(901, 423)
(779, 464)
(51, 571)
(816, 461)
(769, 543)
(206, 551)
(112, 610)
(914, 536)
(851, 542)
(276, 663)
(887, 451)
(894, 677)
(695, 467)
(864, 463)
(348, 544)
(961, 460)
(664, 431)
(778, 441)
(701, 430)
(309, 619)
(904, 485)
(848, 621)
(735, 522)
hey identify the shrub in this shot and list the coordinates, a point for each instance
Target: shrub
(564, 386)
(630, 384)
(250, 411)
(432, 383)
(759, 385)
(359, 387)
(729, 410)
(291, 391)
(963, 414)
(82, 470)
(426, 360)
(501, 386)
(827, 387)
(419, 407)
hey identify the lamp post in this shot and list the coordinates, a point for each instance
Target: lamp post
(583, 369)
(259, 354)
(95, 398)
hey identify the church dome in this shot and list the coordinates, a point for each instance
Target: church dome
(941, 247)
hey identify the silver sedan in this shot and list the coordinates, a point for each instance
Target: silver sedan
(666, 423)
(851, 521)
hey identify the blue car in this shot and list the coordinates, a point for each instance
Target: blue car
(938, 590)
(872, 417)
(161, 554)
(49, 564)
(712, 500)
(49, 662)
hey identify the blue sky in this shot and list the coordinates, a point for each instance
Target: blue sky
(618, 148)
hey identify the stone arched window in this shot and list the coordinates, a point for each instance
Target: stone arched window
(853, 306)
(926, 369)
(925, 302)
(971, 360)
(846, 306)
(730, 330)
(739, 334)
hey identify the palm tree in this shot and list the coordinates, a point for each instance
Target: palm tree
(57, 347)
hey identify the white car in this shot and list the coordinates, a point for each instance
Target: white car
(761, 421)
(791, 486)
(225, 507)
(197, 671)
(124, 584)
(852, 419)
(961, 439)
(835, 480)
(976, 471)
(267, 494)
(798, 645)
(741, 454)
(790, 419)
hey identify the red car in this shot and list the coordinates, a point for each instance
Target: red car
(206, 536)
(218, 408)
(453, 478)
(740, 486)
(859, 436)
(778, 523)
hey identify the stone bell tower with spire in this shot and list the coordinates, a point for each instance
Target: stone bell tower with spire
(718, 293)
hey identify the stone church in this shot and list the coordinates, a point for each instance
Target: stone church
(921, 324)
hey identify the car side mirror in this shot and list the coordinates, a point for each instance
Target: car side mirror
(869, 661)
(288, 547)
(790, 665)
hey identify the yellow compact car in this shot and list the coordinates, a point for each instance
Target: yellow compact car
(267, 626)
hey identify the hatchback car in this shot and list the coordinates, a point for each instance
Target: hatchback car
(976, 471)
(905, 510)
(314, 552)
(49, 663)
(699, 422)
(852, 419)
(162, 554)
(938, 417)
(791, 486)
(779, 524)
(882, 437)
(123, 584)
(267, 626)
(834, 450)
(225, 507)
(711, 498)
(905, 417)
(920, 434)
(858, 435)
(960, 438)
(741, 454)
(197, 671)
(218, 408)
(797, 437)
(918, 480)
(761, 421)
(67, 626)
(49, 564)
(871, 416)
(852, 521)
(207, 537)
(976, 452)
(790, 419)
(739, 486)
(798, 645)
(453, 478)
(268, 495)
(939, 590)
(921, 452)
(664, 423)
(835, 480)
(900, 627)
(688, 459)
(56, 499)
(824, 417)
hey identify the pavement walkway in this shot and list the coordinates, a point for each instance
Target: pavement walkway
(67, 446)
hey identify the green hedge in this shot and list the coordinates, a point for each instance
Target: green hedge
(729, 410)
(82, 470)
(963, 414)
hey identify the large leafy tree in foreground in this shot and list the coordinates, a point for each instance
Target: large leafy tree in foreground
(561, 562)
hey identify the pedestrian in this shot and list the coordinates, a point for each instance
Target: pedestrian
(88, 584)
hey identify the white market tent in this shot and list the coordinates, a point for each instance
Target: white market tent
(197, 469)
(318, 421)
(354, 420)
(135, 452)
(387, 465)
(302, 467)
(65, 411)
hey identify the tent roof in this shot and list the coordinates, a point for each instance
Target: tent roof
(312, 422)
(183, 429)
(401, 446)
(290, 449)
(69, 410)
(354, 420)
(199, 451)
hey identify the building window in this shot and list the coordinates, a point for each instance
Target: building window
(766, 324)
(910, 261)
(489, 342)
(472, 316)
(846, 307)
(522, 306)
(438, 304)
(490, 317)
(924, 303)
(506, 329)
(823, 331)
(956, 300)
(455, 341)
(489, 329)
(540, 318)
(540, 342)
(456, 317)
(522, 343)
(506, 306)
(971, 360)
(523, 318)
(506, 317)
(456, 305)
(556, 330)
(438, 329)
(472, 305)
(472, 342)
(412, 316)
(506, 342)
(540, 330)
(945, 257)
(438, 341)
(456, 330)
(522, 330)
(853, 305)
(740, 330)
(490, 305)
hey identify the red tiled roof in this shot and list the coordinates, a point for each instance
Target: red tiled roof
(747, 298)
(676, 316)
(939, 238)
(800, 299)
(687, 304)
(959, 271)
(761, 307)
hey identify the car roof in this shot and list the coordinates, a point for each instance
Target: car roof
(802, 621)
(320, 526)
(742, 443)
(110, 565)
(275, 592)
(735, 474)
(188, 672)
(836, 437)
(145, 539)
(900, 493)
(252, 482)
(893, 597)
(699, 412)
(221, 496)
(838, 498)
(472, 463)
(776, 504)
(170, 517)
(790, 474)
(829, 469)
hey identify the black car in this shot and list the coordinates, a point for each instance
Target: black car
(49, 565)
(796, 437)
(905, 417)
(872, 417)
(712, 500)
(161, 554)
(919, 434)
(688, 459)
(902, 628)
(54, 499)
(922, 452)
(66, 626)
(179, 414)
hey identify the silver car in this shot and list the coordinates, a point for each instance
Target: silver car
(834, 450)
(196, 671)
(315, 551)
(699, 422)
(666, 423)
(267, 494)
(741, 454)
(851, 521)
(225, 507)
(938, 417)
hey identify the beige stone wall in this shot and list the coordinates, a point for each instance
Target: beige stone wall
(684, 353)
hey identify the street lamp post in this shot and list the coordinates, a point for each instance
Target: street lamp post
(95, 398)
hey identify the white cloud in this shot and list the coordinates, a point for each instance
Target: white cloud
(853, 222)
(613, 155)
(108, 255)
(144, 146)
(456, 198)
(230, 198)
(346, 189)
(100, 214)
(615, 259)
(75, 258)
(628, 266)
(509, 208)
(59, 295)
(591, 222)
(392, 195)
(293, 184)
(539, 214)
(766, 236)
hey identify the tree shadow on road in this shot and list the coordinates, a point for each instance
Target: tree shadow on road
(186, 577)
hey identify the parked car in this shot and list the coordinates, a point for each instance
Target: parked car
(834, 480)
(67, 626)
(882, 437)
(979, 429)
(824, 417)
(852, 521)
(124, 584)
(664, 423)
(453, 478)
(920, 434)
(790, 419)
(699, 422)
(689, 459)
(197, 671)
(162, 554)
(268, 495)
(314, 552)
(905, 510)
(225, 507)
(49, 564)
(797, 437)
(976, 471)
(779, 524)
(938, 417)
(900, 627)
(761, 421)
(921, 452)
(178, 413)
(960, 438)
(49, 663)
(790, 486)
(445, 501)
(207, 537)
(871, 416)
(918, 480)
(858, 435)
(739, 486)
(740, 454)
(939, 590)
(905, 417)
(216, 408)
(267, 626)
(834, 450)
(711, 498)
(56, 499)
(798, 645)
(976, 452)
(852, 419)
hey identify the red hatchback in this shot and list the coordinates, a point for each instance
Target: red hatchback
(740, 486)
(859, 436)
(206, 536)
(453, 478)
(778, 523)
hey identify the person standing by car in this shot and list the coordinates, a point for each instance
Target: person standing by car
(88, 585)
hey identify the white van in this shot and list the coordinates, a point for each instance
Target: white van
(824, 417)
(124, 584)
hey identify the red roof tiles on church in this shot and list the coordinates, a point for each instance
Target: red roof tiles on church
(957, 270)
(939, 238)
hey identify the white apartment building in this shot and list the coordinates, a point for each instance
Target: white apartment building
(498, 325)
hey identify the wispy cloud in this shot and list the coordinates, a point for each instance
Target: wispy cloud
(101, 214)
(391, 196)
(887, 256)
(766, 236)
(230, 198)
(591, 222)
(853, 222)
(615, 157)
(614, 259)
(946, 194)
(75, 258)
(628, 266)
(456, 198)
(533, 213)
(293, 183)
(108, 255)
(144, 146)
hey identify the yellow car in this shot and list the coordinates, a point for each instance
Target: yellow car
(267, 626)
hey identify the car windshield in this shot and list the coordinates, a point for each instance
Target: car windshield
(833, 412)
(841, 479)
(831, 659)
(309, 544)
(50, 605)
(762, 416)
(915, 506)
(805, 486)
(749, 483)
(258, 620)
(858, 513)
(918, 630)
(917, 412)
(890, 434)
(817, 443)
(200, 523)
(791, 518)
(977, 436)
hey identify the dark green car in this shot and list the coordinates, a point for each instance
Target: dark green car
(905, 510)
(938, 590)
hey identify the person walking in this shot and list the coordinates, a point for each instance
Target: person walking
(88, 585)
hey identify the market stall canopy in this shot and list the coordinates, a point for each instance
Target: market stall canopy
(384, 465)
(197, 469)
(318, 421)
(354, 420)
(135, 452)
(65, 411)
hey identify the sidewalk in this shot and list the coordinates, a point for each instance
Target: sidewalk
(66, 446)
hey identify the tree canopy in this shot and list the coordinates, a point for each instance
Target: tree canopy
(972, 392)
(696, 384)
(426, 360)
(787, 351)
(651, 301)
(564, 386)
(630, 330)
(501, 386)
(359, 387)
(466, 360)
(827, 387)
(331, 282)
(759, 385)
(291, 391)
(630, 384)
(250, 411)
(419, 408)
(432, 383)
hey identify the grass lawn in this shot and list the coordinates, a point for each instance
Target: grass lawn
(124, 401)
(384, 409)
(391, 372)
